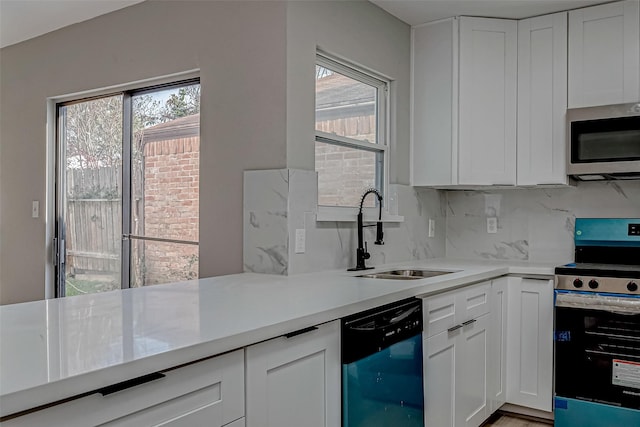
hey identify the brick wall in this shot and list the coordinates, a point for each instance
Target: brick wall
(171, 207)
(344, 173)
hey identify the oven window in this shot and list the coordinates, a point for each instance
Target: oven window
(598, 356)
(605, 140)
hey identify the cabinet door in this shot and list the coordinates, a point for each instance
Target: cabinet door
(434, 103)
(530, 338)
(487, 119)
(471, 373)
(542, 99)
(439, 355)
(497, 392)
(210, 392)
(295, 381)
(604, 52)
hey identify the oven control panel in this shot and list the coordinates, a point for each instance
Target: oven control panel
(614, 285)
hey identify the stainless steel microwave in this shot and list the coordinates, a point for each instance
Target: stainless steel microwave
(604, 142)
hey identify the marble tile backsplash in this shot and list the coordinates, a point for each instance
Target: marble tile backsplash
(266, 221)
(332, 245)
(533, 224)
(277, 202)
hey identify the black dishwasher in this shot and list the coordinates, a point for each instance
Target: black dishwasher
(382, 367)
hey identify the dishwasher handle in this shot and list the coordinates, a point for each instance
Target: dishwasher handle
(378, 326)
(402, 316)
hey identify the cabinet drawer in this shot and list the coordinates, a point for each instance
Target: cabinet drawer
(439, 313)
(209, 392)
(473, 302)
(450, 309)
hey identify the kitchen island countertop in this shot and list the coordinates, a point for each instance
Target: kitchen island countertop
(58, 348)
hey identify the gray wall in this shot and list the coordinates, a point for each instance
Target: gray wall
(365, 35)
(256, 62)
(240, 49)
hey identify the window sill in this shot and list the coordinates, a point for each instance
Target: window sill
(335, 214)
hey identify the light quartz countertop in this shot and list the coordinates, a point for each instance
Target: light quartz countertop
(58, 348)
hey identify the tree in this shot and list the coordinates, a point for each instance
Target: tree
(185, 102)
(93, 133)
(92, 130)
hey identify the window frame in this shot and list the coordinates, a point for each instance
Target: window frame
(380, 146)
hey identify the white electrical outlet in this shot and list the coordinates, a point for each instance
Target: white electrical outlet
(432, 228)
(492, 225)
(35, 209)
(300, 240)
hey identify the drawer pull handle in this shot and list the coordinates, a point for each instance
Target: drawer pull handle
(468, 322)
(110, 389)
(300, 332)
(454, 328)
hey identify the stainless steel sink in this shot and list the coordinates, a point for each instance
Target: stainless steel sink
(406, 274)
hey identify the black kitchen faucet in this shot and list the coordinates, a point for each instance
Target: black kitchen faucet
(361, 251)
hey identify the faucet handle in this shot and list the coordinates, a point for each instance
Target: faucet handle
(366, 254)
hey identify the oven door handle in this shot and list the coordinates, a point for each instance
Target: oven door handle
(619, 305)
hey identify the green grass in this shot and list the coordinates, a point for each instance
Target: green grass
(74, 286)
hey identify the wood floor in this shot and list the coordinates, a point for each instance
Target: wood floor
(509, 421)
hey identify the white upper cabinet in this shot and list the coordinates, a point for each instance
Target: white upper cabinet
(542, 100)
(604, 52)
(434, 103)
(464, 102)
(487, 122)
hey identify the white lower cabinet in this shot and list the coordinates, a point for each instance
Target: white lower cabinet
(439, 355)
(472, 371)
(456, 360)
(530, 343)
(209, 392)
(497, 393)
(295, 381)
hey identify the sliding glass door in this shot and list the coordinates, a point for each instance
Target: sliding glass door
(127, 189)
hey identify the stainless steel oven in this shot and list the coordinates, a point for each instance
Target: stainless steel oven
(597, 327)
(604, 142)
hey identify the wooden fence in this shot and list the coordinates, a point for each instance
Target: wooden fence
(94, 221)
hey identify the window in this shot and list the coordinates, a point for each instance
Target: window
(127, 190)
(351, 133)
